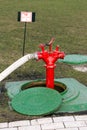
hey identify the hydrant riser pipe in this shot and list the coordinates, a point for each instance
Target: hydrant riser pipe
(50, 75)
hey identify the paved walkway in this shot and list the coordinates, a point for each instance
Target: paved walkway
(77, 122)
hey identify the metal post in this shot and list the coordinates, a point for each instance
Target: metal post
(24, 38)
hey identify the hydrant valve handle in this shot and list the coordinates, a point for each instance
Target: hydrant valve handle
(42, 47)
(50, 44)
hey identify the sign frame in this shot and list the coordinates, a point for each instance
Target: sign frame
(25, 16)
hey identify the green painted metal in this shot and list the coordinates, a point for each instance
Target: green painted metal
(13, 88)
(74, 59)
(37, 101)
(74, 98)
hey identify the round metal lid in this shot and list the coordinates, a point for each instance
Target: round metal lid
(74, 59)
(37, 101)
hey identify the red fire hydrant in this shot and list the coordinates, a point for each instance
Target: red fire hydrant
(50, 57)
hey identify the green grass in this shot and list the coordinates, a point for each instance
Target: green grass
(65, 20)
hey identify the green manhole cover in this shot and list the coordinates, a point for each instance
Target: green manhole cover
(37, 101)
(74, 59)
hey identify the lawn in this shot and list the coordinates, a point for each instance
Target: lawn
(65, 20)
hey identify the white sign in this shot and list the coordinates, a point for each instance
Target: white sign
(26, 16)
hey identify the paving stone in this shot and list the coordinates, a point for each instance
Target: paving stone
(81, 118)
(19, 123)
(86, 123)
(78, 122)
(9, 129)
(34, 122)
(63, 118)
(41, 121)
(35, 127)
(83, 128)
(74, 124)
(68, 129)
(3, 125)
(52, 126)
(45, 120)
(50, 129)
